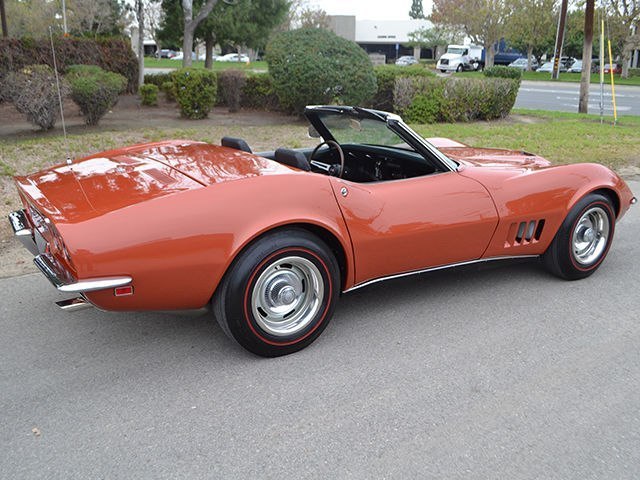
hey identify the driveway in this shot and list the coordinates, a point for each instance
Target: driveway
(494, 372)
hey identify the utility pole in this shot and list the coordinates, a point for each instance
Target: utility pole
(585, 77)
(3, 18)
(557, 51)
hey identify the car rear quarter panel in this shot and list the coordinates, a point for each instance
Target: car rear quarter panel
(178, 248)
(542, 194)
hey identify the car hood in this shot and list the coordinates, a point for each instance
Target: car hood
(118, 178)
(488, 157)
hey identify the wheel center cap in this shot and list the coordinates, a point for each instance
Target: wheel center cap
(287, 295)
(588, 235)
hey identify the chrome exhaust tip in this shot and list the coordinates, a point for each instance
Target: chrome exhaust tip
(74, 304)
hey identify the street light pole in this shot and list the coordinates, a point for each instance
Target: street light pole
(557, 51)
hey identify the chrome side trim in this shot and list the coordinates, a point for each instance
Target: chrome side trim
(23, 231)
(432, 269)
(56, 278)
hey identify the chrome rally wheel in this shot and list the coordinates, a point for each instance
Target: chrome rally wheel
(583, 240)
(287, 296)
(590, 236)
(279, 294)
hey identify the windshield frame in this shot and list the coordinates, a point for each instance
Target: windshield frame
(392, 121)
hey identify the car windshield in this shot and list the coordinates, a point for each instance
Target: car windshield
(352, 128)
(458, 51)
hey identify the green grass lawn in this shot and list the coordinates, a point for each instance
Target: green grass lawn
(168, 63)
(559, 137)
(564, 77)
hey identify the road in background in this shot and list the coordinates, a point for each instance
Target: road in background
(563, 96)
(494, 372)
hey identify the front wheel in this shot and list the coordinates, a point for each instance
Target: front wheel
(459, 68)
(583, 240)
(279, 294)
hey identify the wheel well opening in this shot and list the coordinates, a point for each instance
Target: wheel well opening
(332, 242)
(612, 196)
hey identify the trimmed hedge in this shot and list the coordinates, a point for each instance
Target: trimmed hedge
(149, 94)
(386, 76)
(430, 100)
(230, 85)
(111, 54)
(157, 79)
(195, 90)
(94, 90)
(315, 66)
(634, 72)
(502, 71)
(259, 93)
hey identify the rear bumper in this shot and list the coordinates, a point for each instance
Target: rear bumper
(59, 277)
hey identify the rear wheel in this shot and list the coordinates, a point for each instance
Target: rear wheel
(280, 293)
(583, 240)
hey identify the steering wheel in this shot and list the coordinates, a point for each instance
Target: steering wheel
(330, 144)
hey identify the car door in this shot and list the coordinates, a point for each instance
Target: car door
(416, 223)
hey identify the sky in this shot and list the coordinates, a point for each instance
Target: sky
(370, 9)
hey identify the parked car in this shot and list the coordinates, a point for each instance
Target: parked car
(576, 67)
(547, 67)
(269, 241)
(406, 60)
(521, 63)
(166, 53)
(233, 57)
(180, 56)
(615, 67)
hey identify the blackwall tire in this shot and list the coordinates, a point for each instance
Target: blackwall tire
(279, 294)
(583, 240)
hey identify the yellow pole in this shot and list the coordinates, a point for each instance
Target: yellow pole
(613, 87)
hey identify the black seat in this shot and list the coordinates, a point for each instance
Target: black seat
(237, 143)
(292, 158)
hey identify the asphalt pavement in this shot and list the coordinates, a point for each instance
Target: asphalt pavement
(496, 372)
(564, 96)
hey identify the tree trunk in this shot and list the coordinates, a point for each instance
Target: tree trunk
(529, 55)
(585, 77)
(489, 54)
(3, 19)
(190, 25)
(140, 13)
(208, 48)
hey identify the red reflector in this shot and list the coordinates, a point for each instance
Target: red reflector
(123, 291)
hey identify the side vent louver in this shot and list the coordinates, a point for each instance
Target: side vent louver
(524, 233)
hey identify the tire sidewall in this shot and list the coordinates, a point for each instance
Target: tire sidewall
(243, 277)
(606, 206)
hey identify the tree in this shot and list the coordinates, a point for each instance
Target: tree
(434, 37)
(416, 11)
(482, 20)
(153, 19)
(190, 25)
(627, 14)
(585, 77)
(310, 17)
(531, 26)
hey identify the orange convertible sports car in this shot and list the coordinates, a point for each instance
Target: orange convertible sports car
(270, 240)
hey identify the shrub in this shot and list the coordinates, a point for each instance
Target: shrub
(94, 90)
(634, 72)
(149, 94)
(259, 93)
(503, 72)
(429, 100)
(169, 91)
(231, 83)
(195, 90)
(316, 66)
(111, 54)
(157, 79)
(386, 76)
(33, 91)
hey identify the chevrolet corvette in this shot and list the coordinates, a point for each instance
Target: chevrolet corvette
(269, 241)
